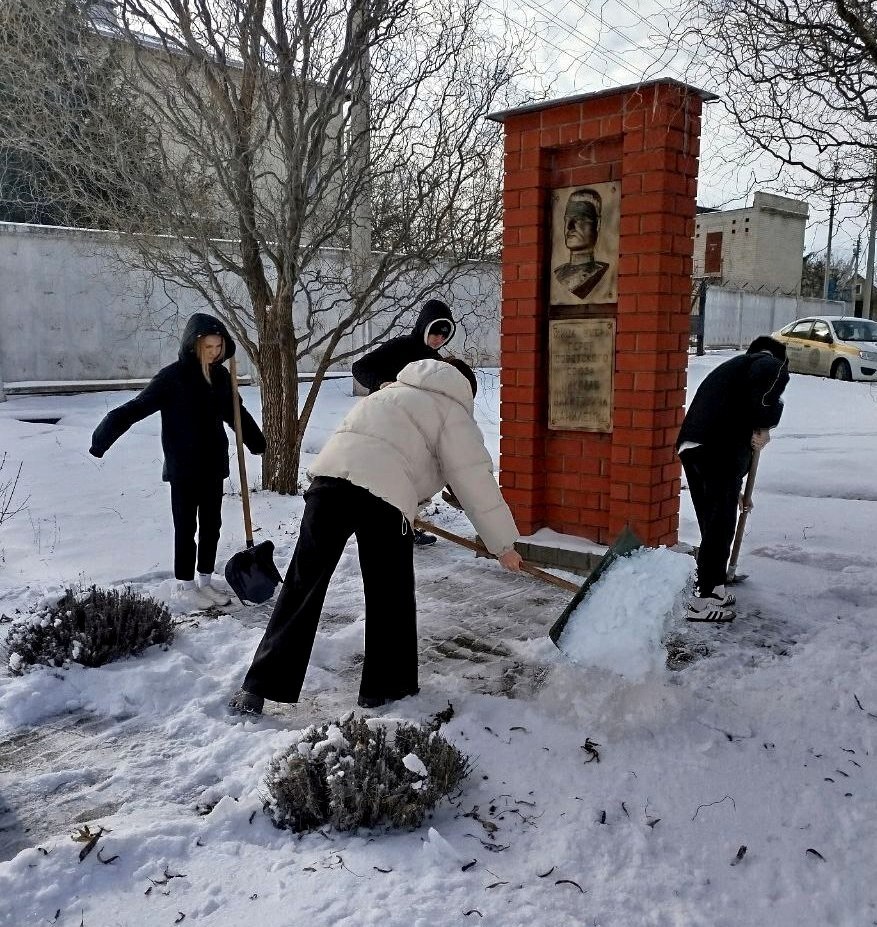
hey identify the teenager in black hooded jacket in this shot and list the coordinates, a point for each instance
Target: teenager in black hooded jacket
(194, 397)
(433, 329)
(729, 417)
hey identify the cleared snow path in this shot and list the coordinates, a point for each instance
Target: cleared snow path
(474, 621)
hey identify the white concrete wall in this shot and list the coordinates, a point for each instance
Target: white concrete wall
(71, 310)
(734, 317)
(762, 245)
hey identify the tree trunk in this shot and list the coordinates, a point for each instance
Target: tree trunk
(280, 418)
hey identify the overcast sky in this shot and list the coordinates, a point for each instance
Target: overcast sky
(581, 46)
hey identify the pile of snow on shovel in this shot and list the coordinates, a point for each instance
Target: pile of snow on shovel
(620, 623)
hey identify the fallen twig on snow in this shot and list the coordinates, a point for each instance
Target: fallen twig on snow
(709, 804)
(570, 882)
(861, 708)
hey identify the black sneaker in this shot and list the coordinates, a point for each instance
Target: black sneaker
(422, 539)
(376, 701)
(365, 701)
(245, 703)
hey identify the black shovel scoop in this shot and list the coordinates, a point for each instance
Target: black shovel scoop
(251, 573)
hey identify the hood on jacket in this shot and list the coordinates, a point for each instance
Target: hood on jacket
(203, 324)
(771, 345)
(434, 311)
(438, 377)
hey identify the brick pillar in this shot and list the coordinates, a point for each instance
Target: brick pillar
(589, 483)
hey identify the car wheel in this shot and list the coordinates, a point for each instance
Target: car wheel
(841, 371)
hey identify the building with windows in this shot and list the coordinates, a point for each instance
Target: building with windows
(759, 247)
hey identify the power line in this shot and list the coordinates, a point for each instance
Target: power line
(545, 41)
(606, 54)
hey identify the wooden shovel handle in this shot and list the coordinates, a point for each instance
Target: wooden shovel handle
(239, 440)
(744, 512)
(481, 549)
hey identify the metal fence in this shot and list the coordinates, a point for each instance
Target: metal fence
(732, 318)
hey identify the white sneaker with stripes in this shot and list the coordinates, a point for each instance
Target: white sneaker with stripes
(714, 608)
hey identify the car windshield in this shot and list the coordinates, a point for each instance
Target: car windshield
(856, 330)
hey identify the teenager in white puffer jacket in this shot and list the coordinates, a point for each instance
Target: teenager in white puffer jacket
(393, 451)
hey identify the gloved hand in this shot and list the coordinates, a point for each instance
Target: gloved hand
(760, 437)
(511, 560)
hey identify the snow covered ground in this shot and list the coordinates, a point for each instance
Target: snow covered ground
(766, 741)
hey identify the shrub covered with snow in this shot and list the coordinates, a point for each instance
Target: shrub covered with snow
(355, 773)
(91, 627)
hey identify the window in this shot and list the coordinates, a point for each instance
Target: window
(801, 329)
(821, 332)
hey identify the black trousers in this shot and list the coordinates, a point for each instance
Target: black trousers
(335, 509)
(714, 476)
(196, 503)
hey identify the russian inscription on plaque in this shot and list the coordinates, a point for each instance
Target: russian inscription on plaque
(581, 356)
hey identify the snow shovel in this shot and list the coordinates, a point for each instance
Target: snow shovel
(731, 575)
(251, 573)
(625, 543)
(482, 551)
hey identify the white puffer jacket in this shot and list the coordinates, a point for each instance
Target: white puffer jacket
(406, 441)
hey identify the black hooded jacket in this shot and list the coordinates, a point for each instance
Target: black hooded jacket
(193, 411)
(384, 363)
(739, 396)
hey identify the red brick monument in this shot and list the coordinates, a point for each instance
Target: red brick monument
(596, 294)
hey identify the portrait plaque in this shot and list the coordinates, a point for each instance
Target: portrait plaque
(581, 357)
(584, 244)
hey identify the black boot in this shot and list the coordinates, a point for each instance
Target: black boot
(422, 539)
(245, 703)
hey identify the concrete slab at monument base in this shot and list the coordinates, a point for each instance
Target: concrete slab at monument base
(552, 549)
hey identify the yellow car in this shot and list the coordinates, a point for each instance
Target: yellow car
(841, 347)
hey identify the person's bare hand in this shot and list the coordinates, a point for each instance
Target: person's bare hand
(511, 560)
(760, 437)
(385, 383)
(744, 506)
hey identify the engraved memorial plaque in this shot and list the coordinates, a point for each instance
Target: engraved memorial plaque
(581, 358)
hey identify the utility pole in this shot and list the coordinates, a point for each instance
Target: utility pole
(701, 318)
(827, 275)
(869, 269)
(362, 220)
(856, 270)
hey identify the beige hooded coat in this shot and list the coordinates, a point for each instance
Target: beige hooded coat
(406, 441)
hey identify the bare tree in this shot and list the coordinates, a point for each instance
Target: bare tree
(799, 78)
(245, 172)
(842, 274)
(9, 505)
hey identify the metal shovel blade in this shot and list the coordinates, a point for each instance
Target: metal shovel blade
(252, 575)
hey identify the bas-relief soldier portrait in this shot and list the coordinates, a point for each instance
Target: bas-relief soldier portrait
(584, 244)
